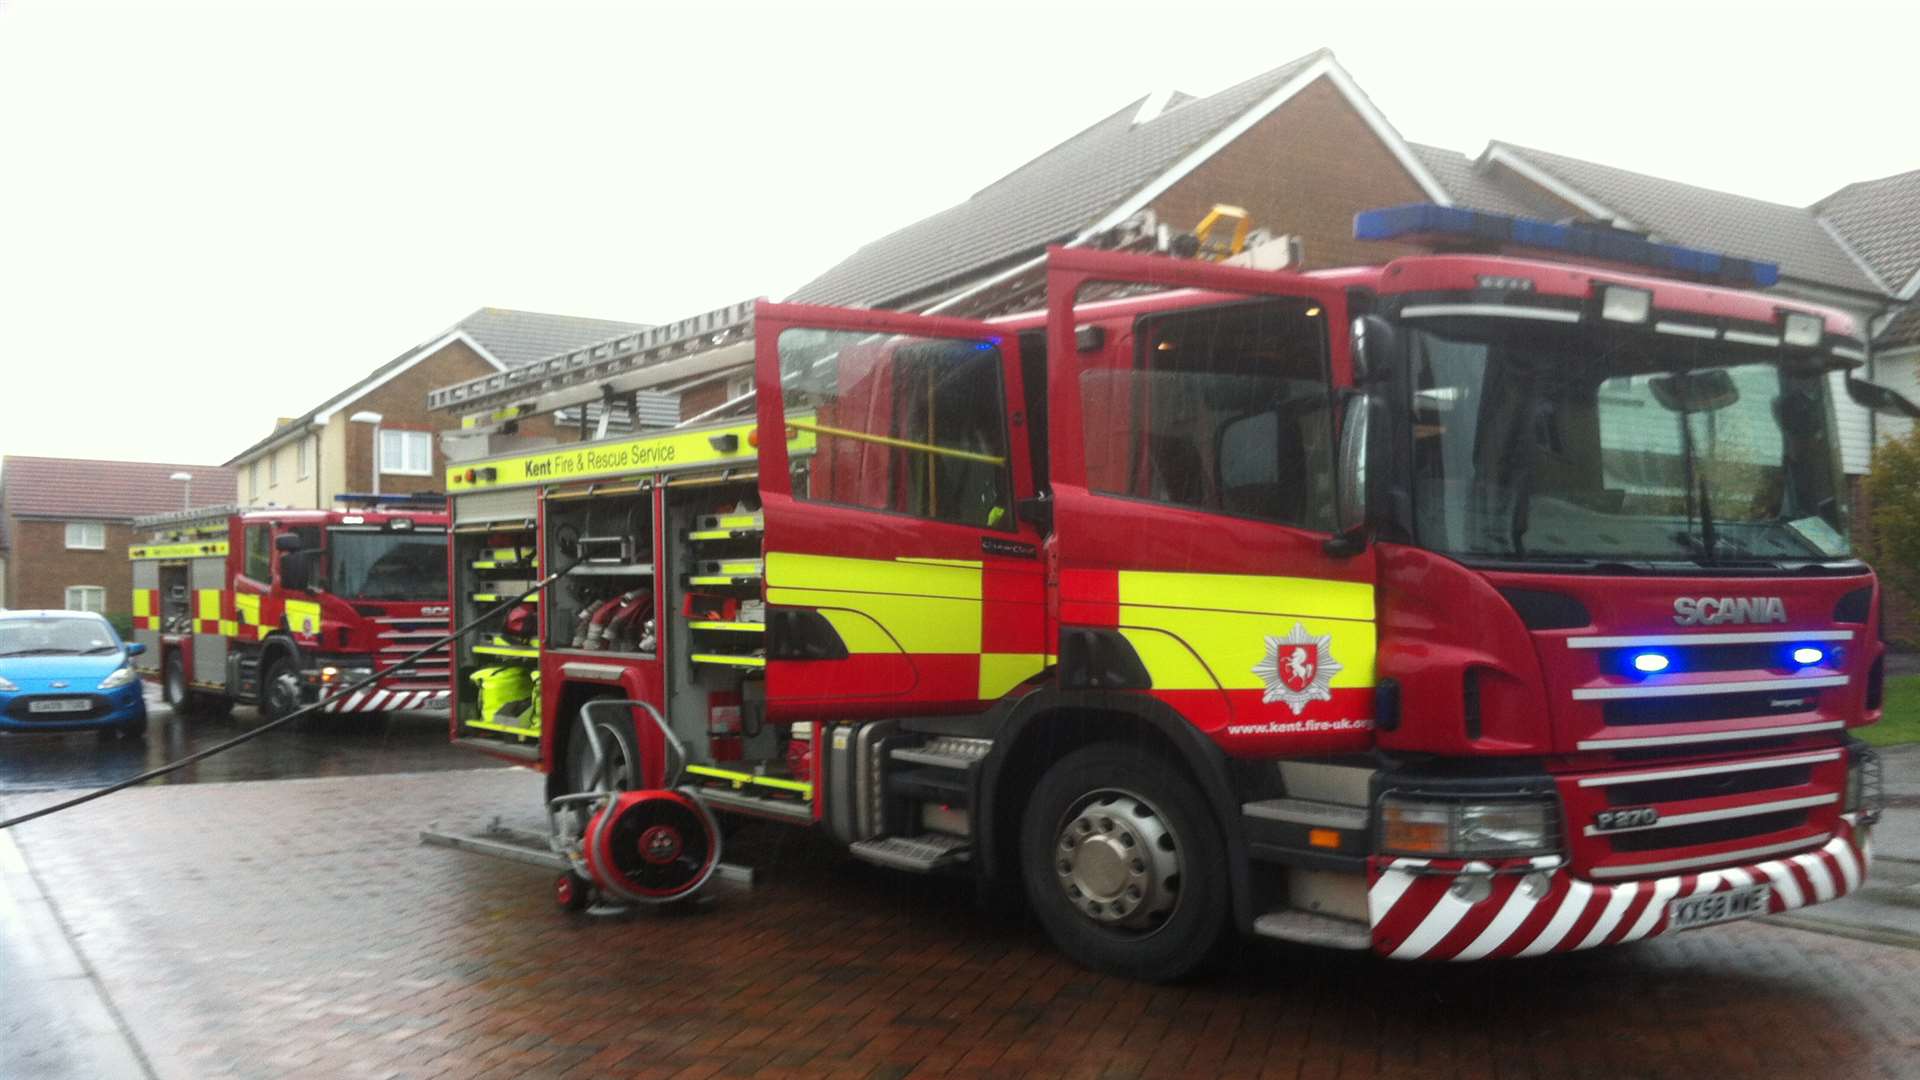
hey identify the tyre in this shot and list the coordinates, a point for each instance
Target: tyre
(1124, 865)
(173, 685)
(622, 752)
(135, 730)
(572, 892)
(280, 689)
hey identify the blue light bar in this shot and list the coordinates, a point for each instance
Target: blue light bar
(1452, 225)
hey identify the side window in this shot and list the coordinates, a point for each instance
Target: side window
(904, 424)
(259, 540)
(1224, 409)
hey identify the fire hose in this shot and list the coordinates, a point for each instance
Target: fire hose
(401, 664)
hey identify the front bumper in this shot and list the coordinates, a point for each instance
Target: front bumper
(1539, 907)
(112, 709)
(379, 699)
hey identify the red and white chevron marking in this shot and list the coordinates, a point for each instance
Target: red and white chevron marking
(388, 701)
(1416, 916)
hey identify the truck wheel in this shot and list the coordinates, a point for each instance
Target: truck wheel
(1124, 865)
(280, 689)
(620, 745)
(173, 685)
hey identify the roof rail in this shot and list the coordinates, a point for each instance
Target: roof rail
(191, 516)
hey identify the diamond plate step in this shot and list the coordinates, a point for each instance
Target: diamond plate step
(921, 853)
(1311, 928)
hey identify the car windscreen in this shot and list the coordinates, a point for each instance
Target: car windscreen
(56, 635)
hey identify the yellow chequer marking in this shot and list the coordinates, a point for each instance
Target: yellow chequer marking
(1170, 662)
(1001, 672)
(921, 624)
(303, 616)
(1257, 594)
(142, 602)
(918, 577)
(1230, 643)
(247, 607)
(209, 600)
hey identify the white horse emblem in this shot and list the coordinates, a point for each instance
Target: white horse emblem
(1298, 669)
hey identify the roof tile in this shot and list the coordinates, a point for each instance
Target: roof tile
(106, 490)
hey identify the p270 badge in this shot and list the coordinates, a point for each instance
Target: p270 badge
(1639, 817)
(1297, 669)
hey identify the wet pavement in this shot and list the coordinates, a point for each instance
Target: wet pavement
(333, 746)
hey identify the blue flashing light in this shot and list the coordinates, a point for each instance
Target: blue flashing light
(1808, 655)
(1651, 663)
(1450, 224)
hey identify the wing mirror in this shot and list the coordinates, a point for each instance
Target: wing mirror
(1374, 342)
(287, 542)
(296, 572)
(1880, 399)
(1350, 498)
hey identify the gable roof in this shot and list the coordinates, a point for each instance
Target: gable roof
(1701, 217)
(1076, 186)
(83, 488)
(1880, 220)
(522, 336)
(1476, 189)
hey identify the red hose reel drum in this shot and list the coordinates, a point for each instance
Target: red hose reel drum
(651, 846)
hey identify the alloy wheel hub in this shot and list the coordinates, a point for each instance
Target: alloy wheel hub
(1118, 861)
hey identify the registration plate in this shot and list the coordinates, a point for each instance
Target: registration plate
(1718, 907)
(60, 705)
(437, 704)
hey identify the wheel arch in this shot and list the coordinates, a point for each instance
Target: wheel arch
(574, 693)
(1047, 725)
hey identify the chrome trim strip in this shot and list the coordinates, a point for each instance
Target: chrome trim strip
(1708, 770)
(1628, 641)
(1691, 330)
(1744, 338)
(1510, 311)
(592, 671)
(1707, 736)
(1616, 693)
(1707, 860)
(1723, 815)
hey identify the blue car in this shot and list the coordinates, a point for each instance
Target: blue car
(68, 671)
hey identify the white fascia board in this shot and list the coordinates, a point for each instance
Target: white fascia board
(1912, 288)
(1385, 131)
(1553, 185)
(363, 389)
(1865, 268)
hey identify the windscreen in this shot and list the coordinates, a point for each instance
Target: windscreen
(1547, 441)
(56, 635)
(387, 566)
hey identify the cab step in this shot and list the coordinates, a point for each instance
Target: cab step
(923, 853)
(1312, 928)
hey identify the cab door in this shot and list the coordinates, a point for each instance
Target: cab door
(893, 452)
(1193, 445)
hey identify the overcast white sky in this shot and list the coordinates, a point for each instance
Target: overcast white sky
(215, 214)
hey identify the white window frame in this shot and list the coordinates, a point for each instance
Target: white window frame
(414, 456)
(98, 591)
(303, 456)
(273, 468)
(82, 544)
(253, 477)
(738, 384)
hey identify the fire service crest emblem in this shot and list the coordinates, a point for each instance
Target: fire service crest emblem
(1297, 669)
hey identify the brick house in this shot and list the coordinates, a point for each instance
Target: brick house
(332, 448)
(66, 523)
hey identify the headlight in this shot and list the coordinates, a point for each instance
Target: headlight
(1502, 827)
(120, 677)
(6, 685)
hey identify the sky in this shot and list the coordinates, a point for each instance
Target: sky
(216, 214)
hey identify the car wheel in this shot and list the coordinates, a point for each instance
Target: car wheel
(173, 685)
(280, 689)
(135, 730)
(1124, 865)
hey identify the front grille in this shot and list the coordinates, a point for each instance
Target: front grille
(1708, 832)
(1709, 786)
(1682, 710)
(19, 708)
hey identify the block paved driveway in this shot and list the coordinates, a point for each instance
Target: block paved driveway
(298, 928)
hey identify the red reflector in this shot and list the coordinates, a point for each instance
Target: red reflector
(471, 475)
(753, 437)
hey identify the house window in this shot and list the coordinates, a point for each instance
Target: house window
(86, 536)
(739, 385)
(303, 458)
(87, 598)
(253, 477)
(408, 453)
(273, 468)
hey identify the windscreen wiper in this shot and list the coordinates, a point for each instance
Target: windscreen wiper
(1706, 521)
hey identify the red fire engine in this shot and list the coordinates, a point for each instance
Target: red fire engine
(1467, 606)
(273, 606)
